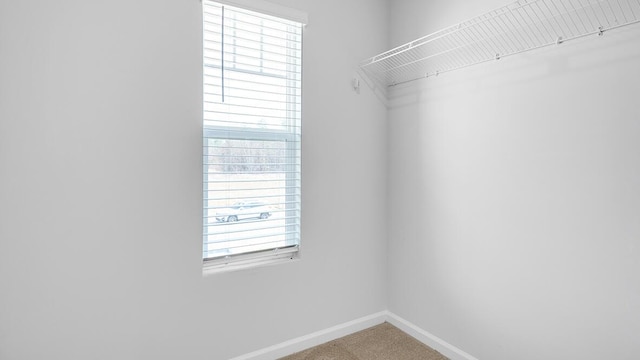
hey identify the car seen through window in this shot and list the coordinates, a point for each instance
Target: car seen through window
(244, 210)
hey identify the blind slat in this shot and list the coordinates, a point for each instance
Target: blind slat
(257, 242)
(260, 229)
(285, 203)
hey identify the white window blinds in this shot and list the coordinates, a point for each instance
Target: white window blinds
(251, 127)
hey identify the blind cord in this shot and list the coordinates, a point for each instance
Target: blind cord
(222, 56)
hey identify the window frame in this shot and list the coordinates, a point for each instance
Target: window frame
(293, 171)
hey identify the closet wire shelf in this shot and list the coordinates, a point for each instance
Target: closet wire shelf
(518, 27)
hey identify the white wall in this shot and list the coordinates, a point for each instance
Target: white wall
(100, 186)
(514, 196)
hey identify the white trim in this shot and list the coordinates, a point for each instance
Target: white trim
(425, 337)
(348, 328)
(267, 258)
(269, 8)
(316, 338)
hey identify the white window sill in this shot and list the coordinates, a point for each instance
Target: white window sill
(221, 266)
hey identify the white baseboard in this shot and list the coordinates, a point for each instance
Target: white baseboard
(338, 331)
(428, 339)
(317, 338)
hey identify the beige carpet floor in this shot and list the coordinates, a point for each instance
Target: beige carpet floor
(381, 342)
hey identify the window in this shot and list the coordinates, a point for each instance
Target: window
(252, 131)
